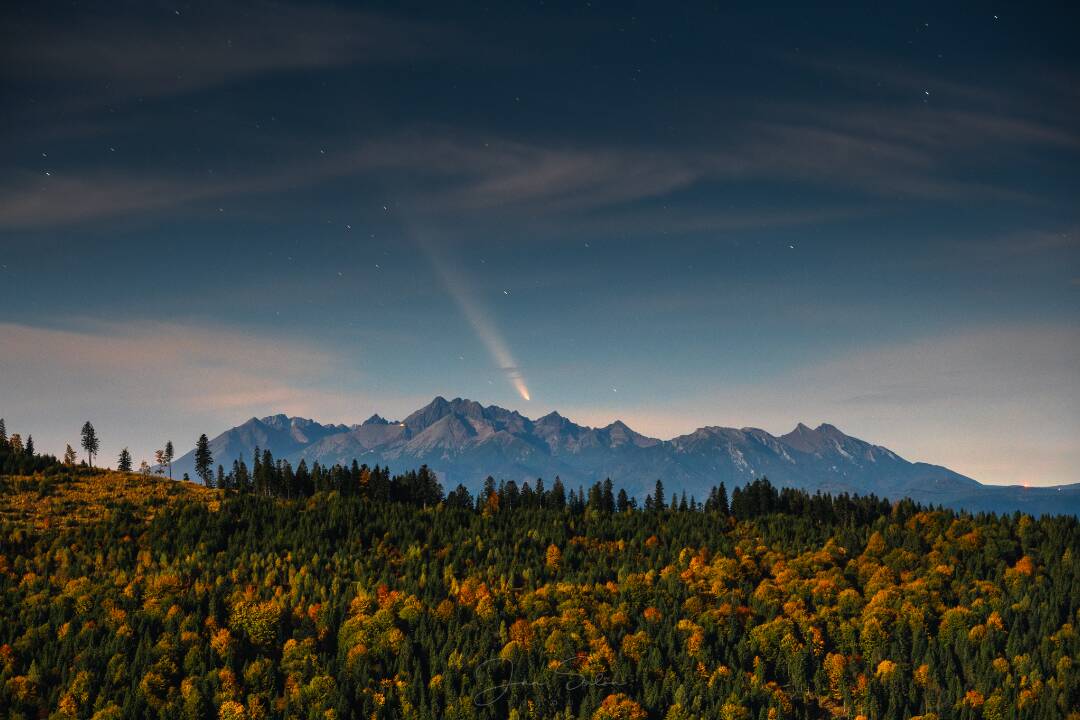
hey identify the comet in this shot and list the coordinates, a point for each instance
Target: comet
(481, 323)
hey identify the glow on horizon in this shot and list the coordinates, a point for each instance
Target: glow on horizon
(482, 325)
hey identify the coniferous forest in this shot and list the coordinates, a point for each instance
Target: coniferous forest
(346, 592)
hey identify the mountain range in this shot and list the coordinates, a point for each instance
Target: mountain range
(464, 442)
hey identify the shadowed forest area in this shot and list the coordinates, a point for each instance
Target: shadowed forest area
(128, 596)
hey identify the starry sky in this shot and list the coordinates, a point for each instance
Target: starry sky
(676, 214)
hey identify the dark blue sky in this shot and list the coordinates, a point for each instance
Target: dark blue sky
(674, 215)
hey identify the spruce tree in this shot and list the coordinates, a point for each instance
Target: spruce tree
(558, 494)
(123, 463)
(204, 460)
(90, 442)
(30, 446)
(169, 454)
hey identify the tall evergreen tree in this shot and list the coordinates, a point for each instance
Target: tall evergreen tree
(658, 495)
(30, 446)
(3, 434)
(69, 456)
(722, 500)
(609, 496)
(169, 455)
(90, 442)
(123, 463)
(558, 494)
(204, 460)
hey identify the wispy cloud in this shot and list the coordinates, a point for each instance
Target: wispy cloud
(165, 379)
(440, 174)
(921, 152)
(144, 50)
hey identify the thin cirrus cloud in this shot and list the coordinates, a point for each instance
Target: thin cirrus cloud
(175, 378)
(447, 172)
(157, 51)
(456, 175)
(885, 148)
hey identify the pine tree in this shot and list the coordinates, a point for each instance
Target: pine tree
(123, 463)
(3, 434)
(609, 496)
(722, 500)
(658, 495)
(558, 494)
(169, 454)
(30, 446)
(69, 456)
(204, 460)
(90, 442)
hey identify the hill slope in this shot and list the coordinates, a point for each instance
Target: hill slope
(347, 606)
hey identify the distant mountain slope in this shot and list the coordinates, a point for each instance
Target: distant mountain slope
(281, 434)
(465, 442)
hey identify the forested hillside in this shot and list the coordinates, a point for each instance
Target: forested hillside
(370, 596)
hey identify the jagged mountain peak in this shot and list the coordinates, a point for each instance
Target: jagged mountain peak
(619, 433)
(465, 441)
(552, 419)
(806, 439)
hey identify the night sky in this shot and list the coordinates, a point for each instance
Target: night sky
(673, 214)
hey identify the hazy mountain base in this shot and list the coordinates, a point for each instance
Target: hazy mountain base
(340, 607)
(464, 442)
